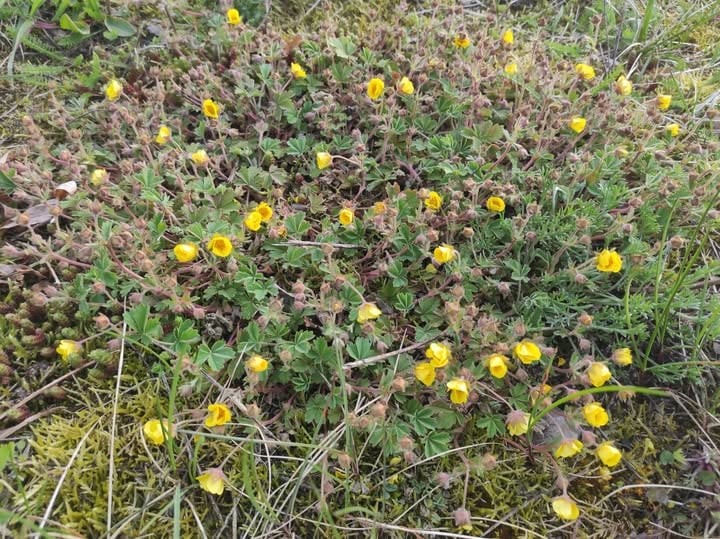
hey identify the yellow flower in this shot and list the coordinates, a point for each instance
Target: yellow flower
(257, 363)
(608, 261)
(622, 357)
(375, 88)
(98, 176)
(527, 352)
(609, 454)
(265, 212)
(379, 208)
(425, 373)
(565, 508)
(210, 109)
(495, 204)
(598, 374)
(233, 17)
(253, 220)
(438, 354)
(346, 216)
(220, 246)
(406, 86)
(585, 71)
(444, 253)
(367, 311)
(185, 252)
(577, 124)
(297, 71)
(508, 38)
(212, 481)
(673, 129)
(67, 348)
(433, 201)
(218, 414)
(323, 159)
(595, 414)
(459, 390)
(663, 101)
(461, 42)
(200, 158)
(154, 431)
(163, 134)
(517, 422)
(568, 448)
(511, 69)
(623, 86)
(497, 365)
(113, 90)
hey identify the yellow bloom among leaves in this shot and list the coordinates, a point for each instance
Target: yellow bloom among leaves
(265, 211)
(527, 352)
(211, 109)
(511, 68)
(297, 71)
(406, 86)
(585, 71)
(200, 158)
(433, 201)
(218, 414)
(233, 17)
(220, 246)
(598, 373)
(608, 261)
(113, 90)
(517, 422)
(623, 86)
(375, 88)
(673, 129)
(425, 373)
(508, 37)
(212, 481)
(257, 363)
(565, 508)
(459, 390)
(253, 220)
(495, 204)
(163, 134)
(98, 176)
(568, 448)
(323, 160)
(155, 430)
(622, 357)
(609, 454)
(185, 252)
(439, 354)
(577, 124)
(367, 311)
(663, 101)
(444, 253)
(461, 42)
(496, 364)
(67, 347)
(346, 216)
(595, 414)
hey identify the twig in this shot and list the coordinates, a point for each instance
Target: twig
(302, 243)
(378, 358)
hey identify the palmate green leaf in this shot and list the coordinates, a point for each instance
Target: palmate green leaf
(492, 424)
(436, 443)
(360, 349)
(216, 356)
(422, 420)
(183, 336)
(139, 320)
(343, 47)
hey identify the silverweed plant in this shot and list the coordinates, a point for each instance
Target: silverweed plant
(445, 277)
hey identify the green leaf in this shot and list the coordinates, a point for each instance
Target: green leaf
(6, 454)
(77, 27)
(342, 47)
(404, 302)
(436, 443)
(422, 420)
(493, 425)
(215, 356)
(315, 410)
(120, 27)
(6, 183)
(183, 336)
(139, 320)
(360, 349)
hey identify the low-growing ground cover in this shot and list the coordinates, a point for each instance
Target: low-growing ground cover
(418, 270)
